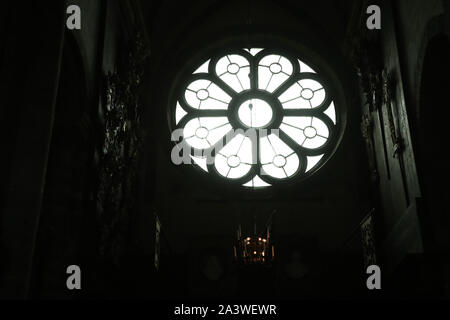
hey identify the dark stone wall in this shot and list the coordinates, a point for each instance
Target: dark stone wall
(31, 57)
(393, 69)
(73, 228)
(414, 262)
(52, 86)
(66, 233)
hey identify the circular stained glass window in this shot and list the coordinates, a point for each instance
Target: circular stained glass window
(256, 117)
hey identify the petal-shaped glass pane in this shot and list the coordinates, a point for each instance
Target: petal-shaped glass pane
(316, 134)
(203, 132)
(273, 70)
(204, 94)
(303, 94)
(235, 158)
(234, 70)
(309, 132)
(277, 158)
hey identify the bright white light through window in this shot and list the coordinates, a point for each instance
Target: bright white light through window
(255, 113)
(256, 89)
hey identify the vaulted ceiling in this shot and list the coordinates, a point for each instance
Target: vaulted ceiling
(172, 25)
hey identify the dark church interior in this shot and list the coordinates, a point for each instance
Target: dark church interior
(94, 206)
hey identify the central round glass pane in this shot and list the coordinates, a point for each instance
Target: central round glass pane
(255, 113)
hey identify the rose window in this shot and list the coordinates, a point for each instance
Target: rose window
(256, 117)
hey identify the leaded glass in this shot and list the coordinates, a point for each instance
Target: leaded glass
(286, 103)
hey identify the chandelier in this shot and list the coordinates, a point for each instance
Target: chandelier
(254, 250)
